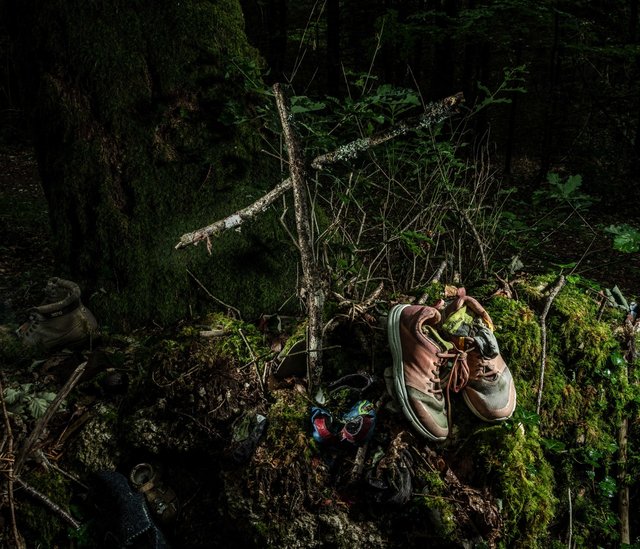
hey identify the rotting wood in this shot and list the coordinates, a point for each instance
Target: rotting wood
(435, 113)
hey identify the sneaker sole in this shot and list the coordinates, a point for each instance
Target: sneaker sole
(393, 333)
(479, 415)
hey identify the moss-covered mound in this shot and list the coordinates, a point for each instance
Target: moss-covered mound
(195, 399)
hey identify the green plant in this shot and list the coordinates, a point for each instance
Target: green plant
(625, 238)
(564, 191)
(26, 399)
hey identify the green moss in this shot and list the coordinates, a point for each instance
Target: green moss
(440, 509)
(517, 332)
(233, 346)
(12, 350)
(524, 481)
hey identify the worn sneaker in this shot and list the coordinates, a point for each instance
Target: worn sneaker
(359, 423)
(323, 427)
(489, 390)
(64, 322)
(417, 357)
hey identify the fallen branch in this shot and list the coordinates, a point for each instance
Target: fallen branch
(435, 113)
(44, 420)
(312, 278)
(48, 503)
(631, 327)
(543, 330)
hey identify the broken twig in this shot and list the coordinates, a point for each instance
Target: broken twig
(44, 420)
(48, 503)
(10, 471)
(543, 330)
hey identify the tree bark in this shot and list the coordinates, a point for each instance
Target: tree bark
(138, 109)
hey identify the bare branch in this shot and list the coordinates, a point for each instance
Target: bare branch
(235, 220)
(48, 503)
(10, 472)
(312, 280)
(543, 329)
(44, 420)
(436, 112)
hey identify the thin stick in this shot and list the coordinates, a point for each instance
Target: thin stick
(436, 278)
(570, 518)
(435, 113)
(476, 235)
(219, 301)
(312, 280)
(543, 329)
(10, 474)
(44, 420)
(48, 503)
(254, 360)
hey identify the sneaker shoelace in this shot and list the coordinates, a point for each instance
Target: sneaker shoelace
(458, 376)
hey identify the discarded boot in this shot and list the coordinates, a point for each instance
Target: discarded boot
(62, 321)
(418, 354)
(489, 390)
(359, 423)
(248, 429)
(124, 519)
(162, 500)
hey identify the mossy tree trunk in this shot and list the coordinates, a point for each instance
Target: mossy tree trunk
(136, 114)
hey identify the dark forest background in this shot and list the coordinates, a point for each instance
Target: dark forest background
(126, 124)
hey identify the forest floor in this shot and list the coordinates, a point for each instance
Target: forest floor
(27, 261)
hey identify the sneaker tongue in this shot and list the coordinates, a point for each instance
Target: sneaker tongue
(459, 323)
(486, 343)
(433, 334)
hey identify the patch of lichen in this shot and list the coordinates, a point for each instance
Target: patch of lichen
(43, 527)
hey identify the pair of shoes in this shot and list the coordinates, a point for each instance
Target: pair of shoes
(355, 427)
(457, 340)
(62, 320)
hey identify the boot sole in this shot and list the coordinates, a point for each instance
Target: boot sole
(393, 334)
